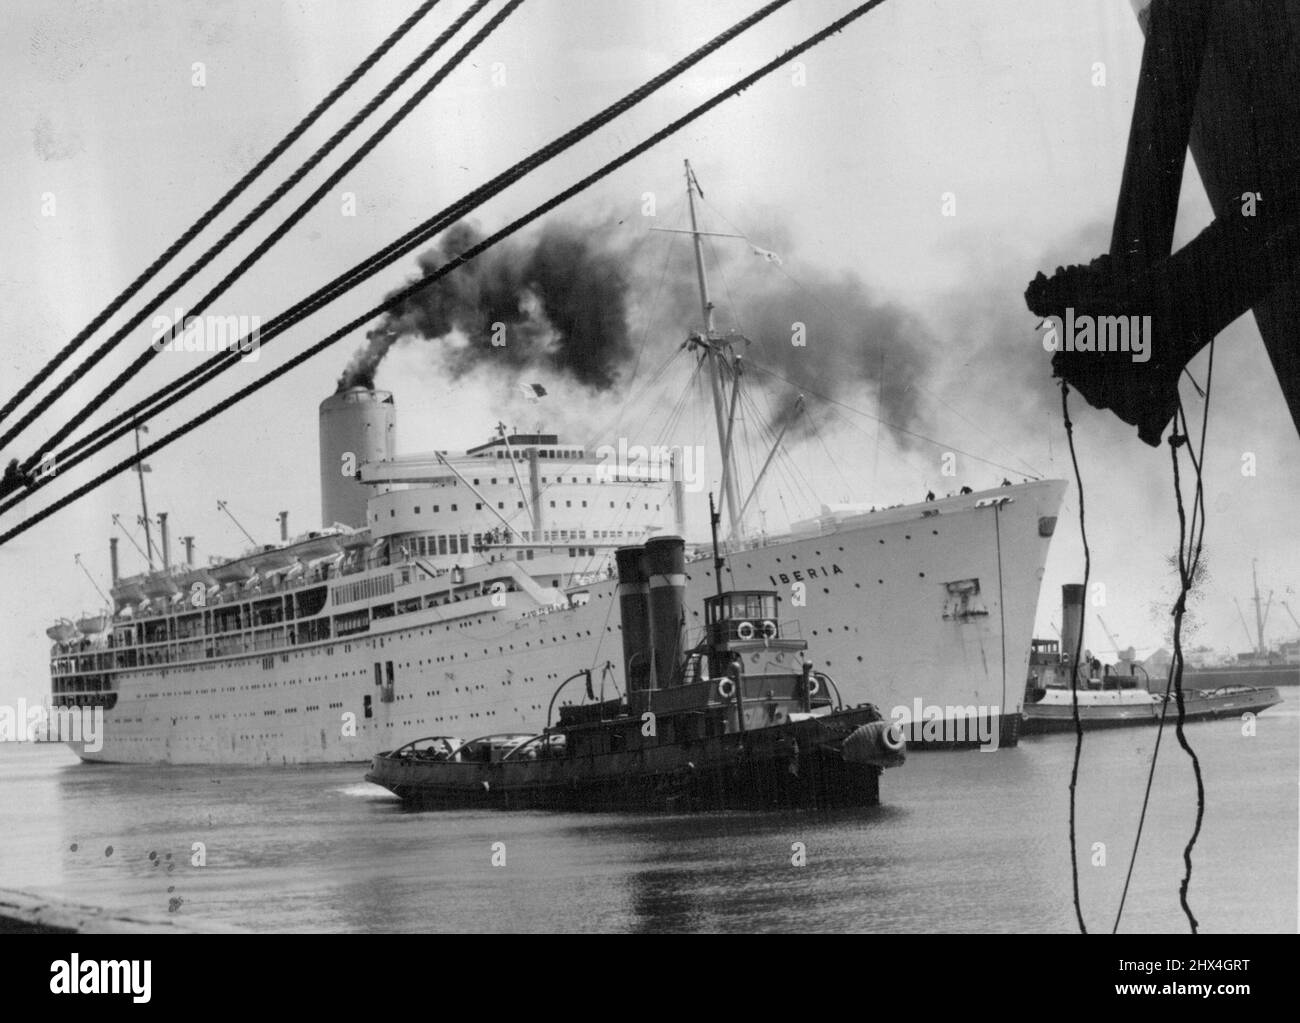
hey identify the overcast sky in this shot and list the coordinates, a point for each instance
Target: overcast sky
(842, 170)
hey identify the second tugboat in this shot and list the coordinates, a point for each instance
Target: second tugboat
(742, 721)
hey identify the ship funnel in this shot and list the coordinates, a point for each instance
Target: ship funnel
(357, 425)
(634, 609)
(666, 561)
(284, 526)
(166, 541)
(113, 569)
(188, 541)
(1071, 621)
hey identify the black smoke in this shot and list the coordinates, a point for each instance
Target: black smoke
(568, 295)
(555, 301)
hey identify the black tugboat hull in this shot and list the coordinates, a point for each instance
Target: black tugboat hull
(796, 765)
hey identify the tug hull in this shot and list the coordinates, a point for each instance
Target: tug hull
(1230, 702)
(797, 764)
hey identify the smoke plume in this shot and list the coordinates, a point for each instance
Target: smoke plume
(557, 301)
(562, 301)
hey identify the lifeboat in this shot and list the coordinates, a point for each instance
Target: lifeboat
(232, 571)
(160, 584)
(317, 545)
(188, 578)
(62, 631)
(129, 591)
(356, 541)
(91, 625)
(271, 558)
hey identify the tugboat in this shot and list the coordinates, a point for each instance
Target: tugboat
(1110, 698)
(1114, 701)
(742, 721)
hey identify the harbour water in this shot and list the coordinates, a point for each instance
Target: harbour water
(964, 842)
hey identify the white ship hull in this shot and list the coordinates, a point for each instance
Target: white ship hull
(877, 612)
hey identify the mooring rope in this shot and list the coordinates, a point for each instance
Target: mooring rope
(1074, 661)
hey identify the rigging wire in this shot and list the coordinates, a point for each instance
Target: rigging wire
(272, 239)
(735, 308)
(219, 362)
(912, 384)
(884, 422)
(840, 417)
(216, 208)
(654, 304)
(812, 422)
(444, 218)
(395, 300)
(1197, 531)
(616, 417)
(785, 465)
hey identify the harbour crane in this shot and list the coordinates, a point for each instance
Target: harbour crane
(1114, 643)
(1242, 615)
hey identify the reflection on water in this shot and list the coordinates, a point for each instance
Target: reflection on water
(964, 842)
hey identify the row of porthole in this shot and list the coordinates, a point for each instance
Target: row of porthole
(826, 589)
(818, 554)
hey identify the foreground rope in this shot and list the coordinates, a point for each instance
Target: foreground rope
(395, 300)
(213, 211)
(283, 228)
(1074, 661)
(82, 448)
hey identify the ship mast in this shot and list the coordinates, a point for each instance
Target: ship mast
(713, 353)
(141, 469)
(1261, 610)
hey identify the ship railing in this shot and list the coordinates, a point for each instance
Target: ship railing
(829, 686)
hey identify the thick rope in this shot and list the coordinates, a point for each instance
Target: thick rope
(1074, 662)
(1185, 573)
(245, 264)
(216, 208)
(1198, 531)
(398, 298)
(189, 382)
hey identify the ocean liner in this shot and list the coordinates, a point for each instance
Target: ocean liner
(451, 593)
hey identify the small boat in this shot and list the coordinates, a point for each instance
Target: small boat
(62, 631)
(91, 625)
(237, 570)
(187, 579)
(160, 584)
(317, 544)
(742, 721)
(1115, 698)
(1117, 701)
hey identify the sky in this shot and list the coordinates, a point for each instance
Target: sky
(913, 175)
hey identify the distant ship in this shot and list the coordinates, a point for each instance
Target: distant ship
(449, 593)
(1107, 696)
(1265, 665)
